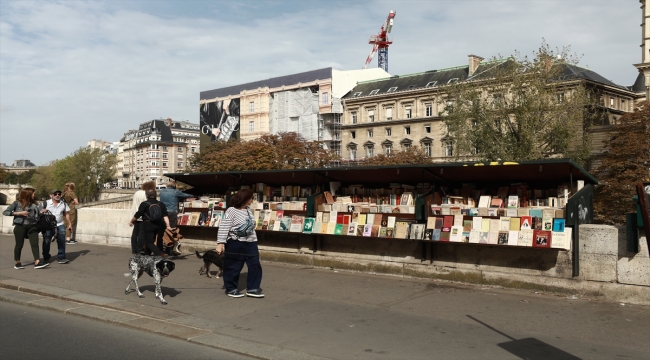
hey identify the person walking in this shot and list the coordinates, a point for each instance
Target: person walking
(154, 222)
(138, 198)
(25, 211)
(237, 235)
(169, 196)
(71, 199)
(60, 210)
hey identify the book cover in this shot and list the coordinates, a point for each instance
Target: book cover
(474, 236)
(374, 232)
(492, 212)
(391, 222)
(484, 212)
(185, 218)
(483, 237)
(548, 213)
(308, 225)
(317, 227)
(296, 223)
(390, 232)
(502, 212)
(513, 201)
(547, 224)
(515, 224)
(535, 212)
(496, 203)
(382, 232)
(458, 220)
(456, 233)
(331, 228)
(333, 216)
(495, 224)
(367, 230)
(338, 229)
(428, 234)
(194, 219)
(560, 240)
(285, 223)
(319, 216)
(438, 224)
(267, 219)
(493, 237)
(522, 212)
(485, 224)
(379, 218)
(465, 237)
(340, 219)
(511, 212)
(503, 238)
(417, 232)
(435, 210)
(525, 238)
(401, 229)
(473, 212)
(467, 225)
(537, 223)
(436, 235)
(370, 218)
(444, 236)
(558, 225)
(526, 223)
(352, 229)
(355, 217)
(477, 222)
(504, 224)
(448, 221)
(431, 222)
(541, 238)
(326, 216)
(360, 229)
(271, 225)
(279, 214)
(484, 201)
(328, 197)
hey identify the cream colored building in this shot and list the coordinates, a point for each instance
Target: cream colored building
(308, 103)
(642, 85)
(157, 147)
(383, 115)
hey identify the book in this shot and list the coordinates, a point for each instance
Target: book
(352, 229)
(537, 223)
(483, 237)
(331, 228)
(338, 229)
(367, 230)
(359, 231)
(458, 220)
(308, 225)
(328, 197)
(474, 236)
(492, 212)
(417, 232)
(484, 201)
(467, 225)
(547, 224)
(444, 236)
(513, 201)
(513, 237)
(374, 232)
(285, 223)
(391, 222)
(266, 220)
(511, 212)
(476, 223)
(515, 224)
(316, 229)
(326, 216)
(361, 220)
(541, 238)
(438, 224)
(522, 212)
(431, 222)
(496, 202)
(526, 223)
(495, 224)
(194, 219)
(456, 234)
(390, 232)
(560, 240)
(485, 224)
(401, 229)
(485, 211)
(448, 221)
(436, 235)
(558, 225)
(525, 238)
(493, 237)
(296, 223)
(428, 234)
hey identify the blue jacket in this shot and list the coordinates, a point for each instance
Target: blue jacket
(170, 196)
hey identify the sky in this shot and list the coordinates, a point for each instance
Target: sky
(72, 71)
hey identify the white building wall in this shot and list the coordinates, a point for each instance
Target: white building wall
(344, 81)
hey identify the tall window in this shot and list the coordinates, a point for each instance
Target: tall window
(428, 110)
(370, 133)
(406, 146)
(354, 117)
(407, 112)
(251, 126)
(427, 129)
(371, 115)
(370, 151)
(353, 153)
(388, 131)
(325, 98)
(353, 134)
(389, 113)
(427, 148)
(251, 106)
(388, 148)
(449, 148)
(407, 130)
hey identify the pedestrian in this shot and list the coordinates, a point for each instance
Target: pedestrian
(71, 199)
(25, 211)
(169, 196)
(153, 228)
(237, 235)
(138, 198)
(60, 210)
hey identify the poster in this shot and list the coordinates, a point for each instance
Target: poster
(220, 120)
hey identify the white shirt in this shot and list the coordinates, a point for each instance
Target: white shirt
(138, 198)
(58, 210)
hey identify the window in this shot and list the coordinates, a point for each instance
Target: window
(371, 115)
(450, 106)
(407, 112)
(180, 165)
(428, 110)
(406, 146)
(165, 155)
(427, 148)
(427, 129)
(353, 153)
(449, 148)
(251, 126)
(392, 89)
(325, 98)
(560, 98)
(354, 95)
(387, 149)
(431, 83)
(193, 149)
(180, 147)
(353, 134)
(354, 117)
(164, 164)
(164, 147)
(374, 92)
(370, 133)
(251, 106)
(370, 149)
(407, 130)
(388, 131)
(611, 102)
(389, 113)
(451, 81)
(411, 87)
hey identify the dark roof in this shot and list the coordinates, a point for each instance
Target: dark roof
(639, 84)
(165, 131)
(304, 77)
(572, 72)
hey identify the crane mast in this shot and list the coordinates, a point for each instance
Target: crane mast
(380, 43)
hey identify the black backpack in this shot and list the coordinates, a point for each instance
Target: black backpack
(46, 221)
(154, 212)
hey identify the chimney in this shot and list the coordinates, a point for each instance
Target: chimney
(474, 62)
(170, 123)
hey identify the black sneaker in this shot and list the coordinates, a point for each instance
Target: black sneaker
(63, 261)
(41, 264)
(71, 242)
(235, 293)
(255, 293)
(18, 266)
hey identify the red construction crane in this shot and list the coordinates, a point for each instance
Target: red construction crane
(380, 42)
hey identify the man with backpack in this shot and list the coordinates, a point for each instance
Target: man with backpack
(59, 209)
(154, 222)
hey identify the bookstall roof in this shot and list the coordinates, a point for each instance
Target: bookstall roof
(555, 170)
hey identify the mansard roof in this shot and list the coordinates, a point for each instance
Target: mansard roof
(639, 84)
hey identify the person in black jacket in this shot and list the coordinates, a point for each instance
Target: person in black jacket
(152, 229)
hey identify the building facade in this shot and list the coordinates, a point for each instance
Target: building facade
(384, 115)
(308, 103)
(155, 148)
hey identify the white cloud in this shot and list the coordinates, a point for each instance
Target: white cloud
(84, 70)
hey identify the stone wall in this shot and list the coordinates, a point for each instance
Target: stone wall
(607, 271)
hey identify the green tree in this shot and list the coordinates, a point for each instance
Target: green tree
(625, 163)
(269, 152)
(26, 177)
(414, 155)
(520, 109)
(3, 175)
(88, 168)
(43, 180)
(11, 178)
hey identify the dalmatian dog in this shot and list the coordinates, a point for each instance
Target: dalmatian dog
(157, 267)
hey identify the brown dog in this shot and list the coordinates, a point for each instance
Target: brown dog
(210, 257)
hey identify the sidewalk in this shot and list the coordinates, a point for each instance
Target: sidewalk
(317, 313)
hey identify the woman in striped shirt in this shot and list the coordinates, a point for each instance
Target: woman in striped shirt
(237, 234)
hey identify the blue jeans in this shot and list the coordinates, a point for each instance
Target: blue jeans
(60, 242)
(233, 263)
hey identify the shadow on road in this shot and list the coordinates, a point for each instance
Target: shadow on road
(529, 348)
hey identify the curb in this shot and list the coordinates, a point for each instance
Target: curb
(139, 317)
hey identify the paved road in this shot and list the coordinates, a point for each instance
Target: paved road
(343, 315)
(31, 333)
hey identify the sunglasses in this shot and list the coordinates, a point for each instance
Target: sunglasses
(57, 194)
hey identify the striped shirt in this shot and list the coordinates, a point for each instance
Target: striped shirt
(232, 219)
